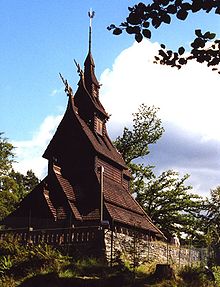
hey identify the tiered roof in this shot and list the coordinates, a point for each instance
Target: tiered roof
(78, 148)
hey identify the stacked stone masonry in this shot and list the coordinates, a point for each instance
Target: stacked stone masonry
(139, 249)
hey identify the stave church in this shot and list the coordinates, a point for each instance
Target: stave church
(87, 186)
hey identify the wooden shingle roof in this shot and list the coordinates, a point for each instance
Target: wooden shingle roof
(119, 203)
(102, 145)
(72, 121)
(69, 193)
(124, 208)
(131, 218)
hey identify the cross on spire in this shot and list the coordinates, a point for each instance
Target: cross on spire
(91, 16)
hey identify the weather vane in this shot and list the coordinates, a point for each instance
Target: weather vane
(91, 16)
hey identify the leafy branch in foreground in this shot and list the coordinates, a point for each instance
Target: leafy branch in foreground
(202, 51)
(143, 17)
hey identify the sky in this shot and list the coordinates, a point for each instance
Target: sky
(40, 39)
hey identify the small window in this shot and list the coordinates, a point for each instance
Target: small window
(99, 126)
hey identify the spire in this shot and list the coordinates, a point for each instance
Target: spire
(91, 15)
(86, 98)
(91, 82)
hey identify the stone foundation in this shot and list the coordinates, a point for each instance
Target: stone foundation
(138, 249)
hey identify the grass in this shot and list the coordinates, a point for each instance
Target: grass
(34, 265)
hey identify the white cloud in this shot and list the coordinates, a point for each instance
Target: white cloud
(29, 153)
(188, 97)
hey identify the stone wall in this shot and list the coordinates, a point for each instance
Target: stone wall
(139, 249)
(132, 246)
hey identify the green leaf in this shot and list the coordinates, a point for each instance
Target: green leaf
(182, 14)
(134, 19)
(138, 37)
(133, 30)
(146, 33)
(166, 18)
(198, 43)
(198, 33)
(182, 61)
(146, 24)
(209, 35)
(117, 31)
(171, 9)
(181, 50)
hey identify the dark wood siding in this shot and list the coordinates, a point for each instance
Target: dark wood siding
(125, 183)
(110, 171)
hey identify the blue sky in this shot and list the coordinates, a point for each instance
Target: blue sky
(40, 38)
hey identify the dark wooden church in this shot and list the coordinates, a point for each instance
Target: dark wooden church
(88, 181)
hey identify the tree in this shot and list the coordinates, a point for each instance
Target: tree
(146, 130)
(25, 183)
(142, 16)
(13, 185)
(6, 156)
(134, 143)
(211, 221)
(165, 198)
(169, 203)
(211, 216)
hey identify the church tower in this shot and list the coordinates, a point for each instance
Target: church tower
(88, 182)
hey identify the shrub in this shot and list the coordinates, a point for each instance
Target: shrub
(38, 259)
(195, 276)
(11, 246)
(19, 261)
(5, 264)
(216, 271)
(8, 282)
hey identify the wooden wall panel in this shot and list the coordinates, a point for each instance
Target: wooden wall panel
(110, 171)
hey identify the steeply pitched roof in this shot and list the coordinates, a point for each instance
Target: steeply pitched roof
(130, 218)
(68, 191)
(73, 123)
(89, 66)
(124, 208)
(82, 213)
(36, 204)
(101, 144)
(119, 203)
(49, 203)
(87, 94)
